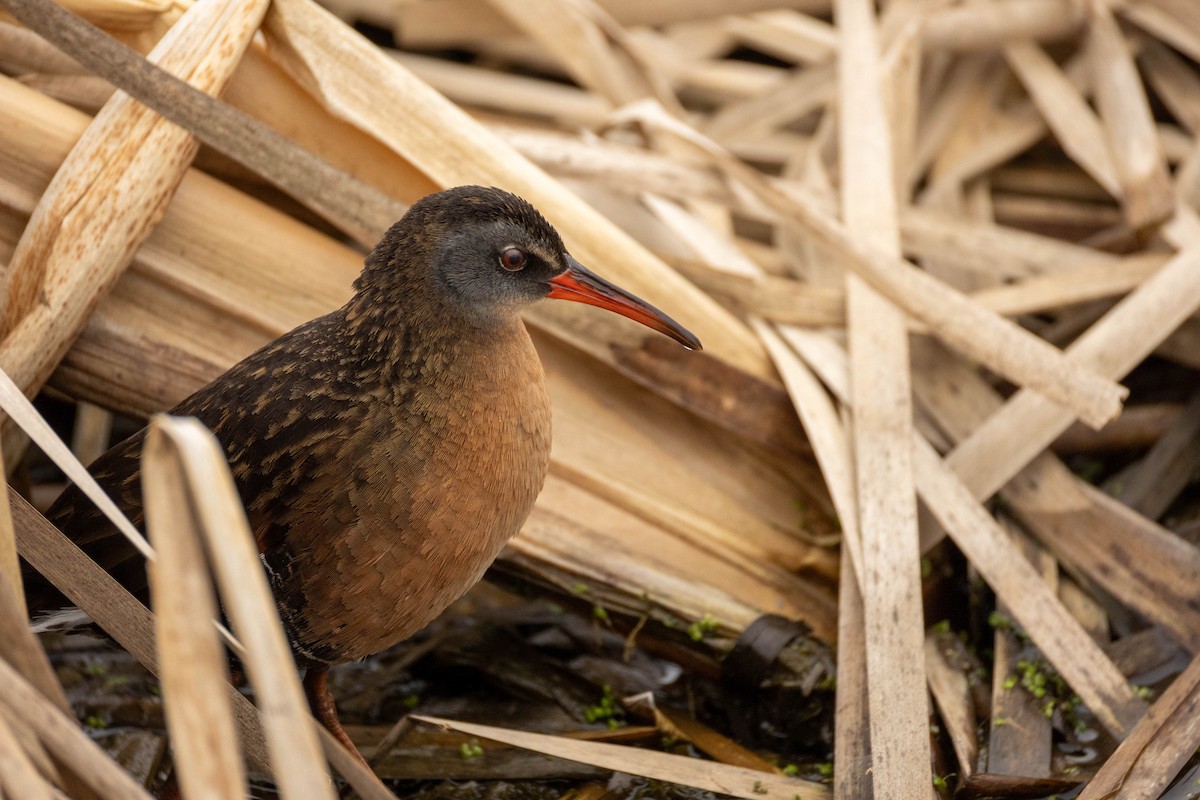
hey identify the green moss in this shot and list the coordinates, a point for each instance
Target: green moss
(1000, 622)
(702, 627)
(608, 710)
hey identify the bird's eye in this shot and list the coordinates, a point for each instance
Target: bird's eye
(512, 259)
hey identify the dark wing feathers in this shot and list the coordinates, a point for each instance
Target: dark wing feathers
(243, 408)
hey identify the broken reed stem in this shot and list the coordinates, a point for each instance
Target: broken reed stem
(881, 410)
(1146, 186)
(354, 206)
(22, 649)
(21, 411)
(10, 566)
(974, 331)
(18, 776)
(128, 622)
(1158, 747)
(1027, 424)
(107, 197)
(204, 487)
(451, 148)
(64, 739)
(750, 784)
(1060, 638)
(194, 667)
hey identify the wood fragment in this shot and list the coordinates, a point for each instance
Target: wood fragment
(92, 431)
(1172, 21)
(1174, 82)
(591, 47)
(1019, 736)
(1147, 197)
(21, 701)
(901, 71)
(987, 785)
(995, 342)
(78, 241)
(719, 748)
(1070, 287)
(453, 149)
(952, 693)
(776, 299)
(986, 135)
(992, 249)
(784, 33)
(1167, 468)
(1069, 217)
(515, 94)
(803, 92)
(949, 110)
(830, 440)
(355, 207)
(1080, 525)
(1072, 652)
(10, 567)
(455, 22)
(1154, 752)
(430, 754)
(25, 51)
(985, 26)
(1148, 650)
(881, 408)
(735, 781)
(852, 773)
(992, 454)
(18, 777)
(1066, 111)
(122, 15)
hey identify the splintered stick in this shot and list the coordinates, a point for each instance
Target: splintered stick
(881, 408)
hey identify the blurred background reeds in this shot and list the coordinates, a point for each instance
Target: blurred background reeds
(934, 470)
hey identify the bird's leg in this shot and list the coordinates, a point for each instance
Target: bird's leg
(316, 689)
(169, 790)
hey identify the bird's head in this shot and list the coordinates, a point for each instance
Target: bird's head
(488, 254)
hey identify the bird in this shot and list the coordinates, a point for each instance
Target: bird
(387, 451)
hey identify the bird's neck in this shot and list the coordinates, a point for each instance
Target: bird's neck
(394, 329)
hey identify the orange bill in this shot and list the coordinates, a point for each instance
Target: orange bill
(580, 284)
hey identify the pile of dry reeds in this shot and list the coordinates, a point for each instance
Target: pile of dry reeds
(936, 233)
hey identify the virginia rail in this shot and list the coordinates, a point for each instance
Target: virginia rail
(385, 452)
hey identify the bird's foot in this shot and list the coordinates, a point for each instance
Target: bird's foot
(316, 689)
